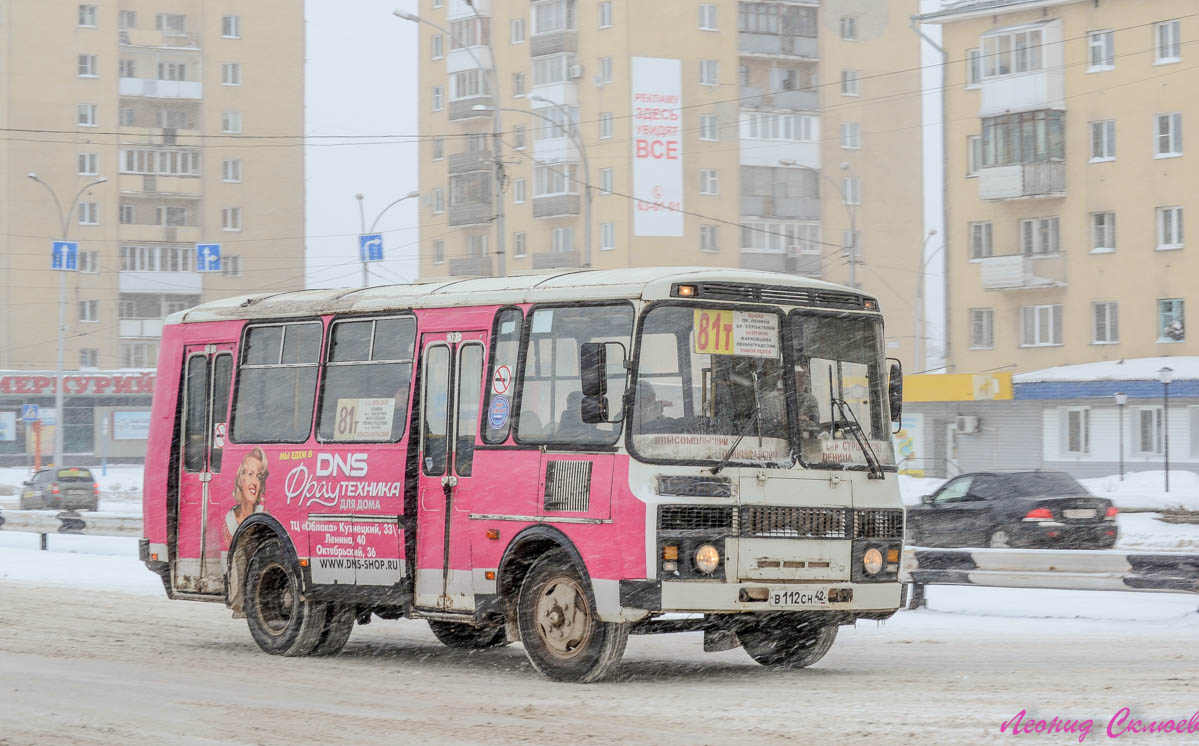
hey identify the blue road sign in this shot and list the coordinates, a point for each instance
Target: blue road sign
(29, 413)
(208, 257)
(65, 256)
(370, 247)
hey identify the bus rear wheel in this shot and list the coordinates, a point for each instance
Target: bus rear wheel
(467, 637)
(281, 619)
(562, 635)
(780, 642)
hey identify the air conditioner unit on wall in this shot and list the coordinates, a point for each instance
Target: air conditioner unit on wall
(966, 423)
(575, 72)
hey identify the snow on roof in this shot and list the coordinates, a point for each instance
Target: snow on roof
(1185, 367)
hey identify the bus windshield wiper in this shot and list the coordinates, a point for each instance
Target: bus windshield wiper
(855, 427)
(753, 420)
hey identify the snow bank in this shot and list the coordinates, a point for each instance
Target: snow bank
(1133, 369)
(1146, 489)
(91, 562)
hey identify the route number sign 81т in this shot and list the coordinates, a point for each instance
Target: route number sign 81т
(727, 332)
(713, 331)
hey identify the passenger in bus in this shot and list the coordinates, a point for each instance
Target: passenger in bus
(649, 412)
(809, 409)
(249, 492)
(571, 424)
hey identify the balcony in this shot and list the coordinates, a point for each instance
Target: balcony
(1010, 94)
(474, 160)
(464, 108)
(143, 185)
(555, 150)
(557, 259)
(757, 98)
(162, 283)
(555, 42)
(557, 205)
(471, 266)
(152, 88)
(136, 328)
(161, 39)
(456, 10)
(777, 45)
(137, 233)
(1024, 272)
(471, 213)
(468, 58)
(768, 153)
(1020, 180)
(802, 208)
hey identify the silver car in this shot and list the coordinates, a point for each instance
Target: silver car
(61, 489)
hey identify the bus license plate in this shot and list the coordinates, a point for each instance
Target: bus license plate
(803, 597)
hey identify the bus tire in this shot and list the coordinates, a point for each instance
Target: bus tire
(563, 637)
(281, 620)
(786, 643)
(468, 637)
(339, 623)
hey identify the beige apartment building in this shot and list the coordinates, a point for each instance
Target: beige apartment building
(1068, 180)
(166, 100)
(720, 133)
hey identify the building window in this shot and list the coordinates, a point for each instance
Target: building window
(552, 68)
(231, 170)
(127, 19)
(518, 85)
(89, 164)
(605, 181)
(743, 76)
(605, 125)
(851, 190)
(1106, 326)
(849, 82)
(139, 354)
(553, 15)
(767, 126)
(89, 310)
(1023, 138)
(87, 115)
(89, 357)
(127, 69)
(438, 201)
(605, 73)
(469, 84)
(707, 17)
(1101, 50)
(519, 244)
(172, 71)
(1012, 52)
(230, 73)
(520, 137)
(231, 266)
(1168, 42)
(562, 240)
(87, 16)
(89, 213)
(605, 15)
(476, 246)
(974, 67)
(89, 261)
(607, 236)
(553, 180)
(708, 238)
(982, 328)
(231, 122)
(171, 23)
(781, 238)
(851, 135)
(519, 191)
(1039, 236)
(1041, 325)
(1076, 431)
(1170, 322)
(438, 148)
(1103, 232)
(159, 161)
(436, 46)
(438, 97)
(439, 252)
(1169, 228)
(87, 65)
(1103, 141)
(974, 154)
(777, 19)
(231, 27)
(516, 31)
(709, 72)
(126, 116)
(849, 28)
(126, 215)
(708, 181)
(709, 128)
(231, 218)
(470, 32)
(1149, 430)
(1168, 131)
(980, 240)
(170, 216)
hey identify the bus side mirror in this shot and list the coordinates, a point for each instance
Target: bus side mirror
(895, 389)
(595, 410)
(593, 369)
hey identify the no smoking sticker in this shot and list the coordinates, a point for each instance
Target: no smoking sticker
(502, 380)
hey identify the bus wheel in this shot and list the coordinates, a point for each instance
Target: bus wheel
(339, 623)
(281, 620)
(785, 644)
(467, 637)
(561, 633)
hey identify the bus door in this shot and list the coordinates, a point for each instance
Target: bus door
(207, 373)
(452, 380)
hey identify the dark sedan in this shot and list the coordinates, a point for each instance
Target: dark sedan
(61, 489)
(1029, 509)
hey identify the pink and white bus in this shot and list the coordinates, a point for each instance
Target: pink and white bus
(561, 459)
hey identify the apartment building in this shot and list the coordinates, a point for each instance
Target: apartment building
(1068, 180)
(152, 111)
(779, 135)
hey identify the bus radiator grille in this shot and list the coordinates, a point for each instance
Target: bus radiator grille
(706, 518)
(878, 524)
(793, 522)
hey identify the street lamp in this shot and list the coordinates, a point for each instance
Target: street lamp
(1165, 375)
(1121, 400)
(65, 225)
(496, 124)
(850, 210)
(362, 219)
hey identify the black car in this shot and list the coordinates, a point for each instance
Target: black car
(61, 489)
(1028, 509)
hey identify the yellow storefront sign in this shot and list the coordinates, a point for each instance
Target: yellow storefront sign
(957, 387)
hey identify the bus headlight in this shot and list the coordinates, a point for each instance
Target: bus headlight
(707, 559)
(872, 561)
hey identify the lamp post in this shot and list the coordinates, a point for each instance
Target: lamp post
(362, 219)
(65, 225)
(496, 124)
(1165, 375)
(850, 210)
(921, 338)
(1121, 400)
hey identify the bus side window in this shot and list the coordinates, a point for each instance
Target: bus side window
(364, 393)
(435, 422)
(470, 381)
(195, 424)
(276, 383)
(505, 346)
(222, 377)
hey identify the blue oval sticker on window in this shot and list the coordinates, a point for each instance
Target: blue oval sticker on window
(497, 413)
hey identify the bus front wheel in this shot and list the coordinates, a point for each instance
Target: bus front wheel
(562, 635)
(281, 619)
(783, 643)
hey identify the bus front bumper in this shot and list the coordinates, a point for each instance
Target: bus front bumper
(699, 596)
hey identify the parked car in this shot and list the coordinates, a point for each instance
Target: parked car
(61, 489)
(1027, 509)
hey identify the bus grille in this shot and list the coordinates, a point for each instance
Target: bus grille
(878, 524)
(710, 518)
(791, 522)
(785, 296)
(568, 486)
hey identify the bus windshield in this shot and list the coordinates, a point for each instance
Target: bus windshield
(710, 385)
